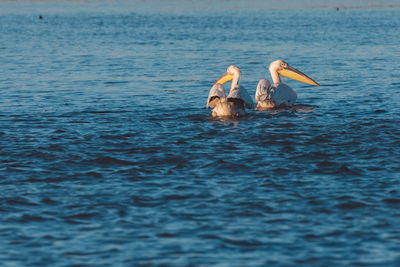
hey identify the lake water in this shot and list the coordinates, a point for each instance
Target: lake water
(109, 156)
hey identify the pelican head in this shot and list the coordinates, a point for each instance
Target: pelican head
(232, 73)
(280, 67)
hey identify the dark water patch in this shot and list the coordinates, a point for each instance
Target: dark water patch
(74, 222)
(254, 63)
(42, 155)
(181, 197)
(20, 201)
(49, 201)
(26, 218)
(323, 138)
(134, 173)
(374, 169)
(116, 82)
(336, 168)
(270, 183)
(332, 84)
(281, 171)
(106, 111)
(350, 205)
(79, 122)
(371, 123)
(227, 166)
(166, 235)
(91, 174)
(51, 179)
(106, 161)
(118, 137)
(144, 201)
(82, 216)
(311, 236)
(395, 201)
(326, 163)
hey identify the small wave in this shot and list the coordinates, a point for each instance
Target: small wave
(242, 242)
(231, 241)
(346, 170)
(69, 221)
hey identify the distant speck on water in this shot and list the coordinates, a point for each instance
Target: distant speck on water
(40, 17)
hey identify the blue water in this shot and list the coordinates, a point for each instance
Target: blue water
(109, 157)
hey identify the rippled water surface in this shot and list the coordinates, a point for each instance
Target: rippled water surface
(109, 157)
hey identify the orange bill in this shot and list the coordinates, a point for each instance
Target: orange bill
(225, 78)
(297, 75)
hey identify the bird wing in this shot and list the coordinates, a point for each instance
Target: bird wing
(241, 93)
(283, 94)
(262, 92)
(217, 93)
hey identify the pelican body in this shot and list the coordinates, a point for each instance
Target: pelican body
(237, 100)
(279, 94)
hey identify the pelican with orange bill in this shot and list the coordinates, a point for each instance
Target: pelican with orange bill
(279, 94)
(237, 100)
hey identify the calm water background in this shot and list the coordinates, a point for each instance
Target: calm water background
(109, 157)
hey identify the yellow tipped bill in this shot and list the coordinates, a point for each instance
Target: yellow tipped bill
(225, 78)
(297, 75)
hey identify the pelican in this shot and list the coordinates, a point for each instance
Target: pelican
(234, 104)
(279, 94)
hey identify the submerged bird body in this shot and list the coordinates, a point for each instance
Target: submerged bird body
(237, 100)
(279, 94)
(232, 105)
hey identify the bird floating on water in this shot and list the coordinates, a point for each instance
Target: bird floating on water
(279, 94)
(234, 104)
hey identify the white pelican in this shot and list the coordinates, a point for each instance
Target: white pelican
(238, 98)
(279, 94)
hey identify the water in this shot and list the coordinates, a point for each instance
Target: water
(109, 157)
